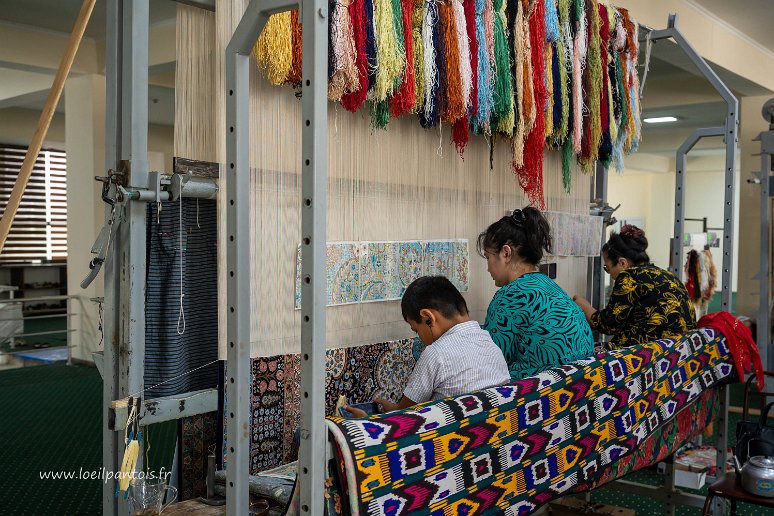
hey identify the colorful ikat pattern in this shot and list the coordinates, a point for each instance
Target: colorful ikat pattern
(513, 448)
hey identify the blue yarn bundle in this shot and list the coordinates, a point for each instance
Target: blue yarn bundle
(485, 99)
(552, 21)
(370, 42)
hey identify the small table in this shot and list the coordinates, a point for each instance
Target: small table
(730, 487)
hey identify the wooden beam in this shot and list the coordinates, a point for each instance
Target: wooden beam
(45, 120)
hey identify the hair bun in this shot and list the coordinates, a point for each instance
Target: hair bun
(632, 232)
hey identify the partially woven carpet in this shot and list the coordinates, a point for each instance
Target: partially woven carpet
(514, 448)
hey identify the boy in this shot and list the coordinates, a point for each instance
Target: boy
(459, 357)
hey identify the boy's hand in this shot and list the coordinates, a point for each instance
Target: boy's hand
(355, 411)
(387, 406)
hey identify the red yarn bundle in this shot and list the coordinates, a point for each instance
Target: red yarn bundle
(531, 174)
(406, 96)
(352, 101)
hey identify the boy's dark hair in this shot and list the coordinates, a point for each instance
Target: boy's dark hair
(526, 231)
(630, 243)
(434, 292)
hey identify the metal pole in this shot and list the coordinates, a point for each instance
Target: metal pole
(238, 248)
(314, 183)
(596, 275)
(676, 244)
(730, 134)
(764, 274)
(132, 248)
(111, 321)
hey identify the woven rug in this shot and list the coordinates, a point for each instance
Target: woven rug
(513, 448)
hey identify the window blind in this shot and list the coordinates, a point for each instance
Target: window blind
(39, 231)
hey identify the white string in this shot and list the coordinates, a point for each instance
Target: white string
(440, 140)
(181, 317)
(129, 421)
(173, 378)
(648, 49)
(197, 214)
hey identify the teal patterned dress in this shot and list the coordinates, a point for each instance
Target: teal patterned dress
(537, 326)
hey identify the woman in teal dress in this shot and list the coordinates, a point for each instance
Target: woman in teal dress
(533, 321)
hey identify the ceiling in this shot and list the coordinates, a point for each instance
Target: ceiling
(755, 18)
(60, 15)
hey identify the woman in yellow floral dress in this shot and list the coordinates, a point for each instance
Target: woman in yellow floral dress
(647, 302)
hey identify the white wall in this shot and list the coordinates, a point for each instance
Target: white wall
(651, 195)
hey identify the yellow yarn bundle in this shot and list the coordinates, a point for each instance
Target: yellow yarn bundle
(389, 56)
(419, 52)
(274, 49)
(595, 72)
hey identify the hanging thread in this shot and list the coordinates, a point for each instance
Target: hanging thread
(181, 316)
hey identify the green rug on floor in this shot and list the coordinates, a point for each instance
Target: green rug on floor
(51, 421)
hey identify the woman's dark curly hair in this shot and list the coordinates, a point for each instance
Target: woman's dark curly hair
(630, 243)
(526, 231)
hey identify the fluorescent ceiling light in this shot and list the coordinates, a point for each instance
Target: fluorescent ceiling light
(659, 119)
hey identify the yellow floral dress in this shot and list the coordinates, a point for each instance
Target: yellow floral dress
(647, 303)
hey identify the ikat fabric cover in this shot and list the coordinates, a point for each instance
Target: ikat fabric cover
(511, 449)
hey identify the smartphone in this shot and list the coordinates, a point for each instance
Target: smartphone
(370, 408)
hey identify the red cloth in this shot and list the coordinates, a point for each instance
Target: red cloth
(740, 343)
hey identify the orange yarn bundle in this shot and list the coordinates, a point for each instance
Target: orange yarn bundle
(454, 107)
(294, 75)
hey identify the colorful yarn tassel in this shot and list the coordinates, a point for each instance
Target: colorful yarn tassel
(469, 7)
(453, 105)
(605, 144)
(345, 74)
(294, 74)
(552, 21)
(274, 48)
(370, 42)
(460, 135)
(429, 114)
(418, 15)
(354, 99)
(483, 70)
(405, 98)
(390, 55)
(502, 90)
(463, 49)
(531, 174)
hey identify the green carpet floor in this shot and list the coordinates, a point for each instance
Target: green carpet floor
(51, 421)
